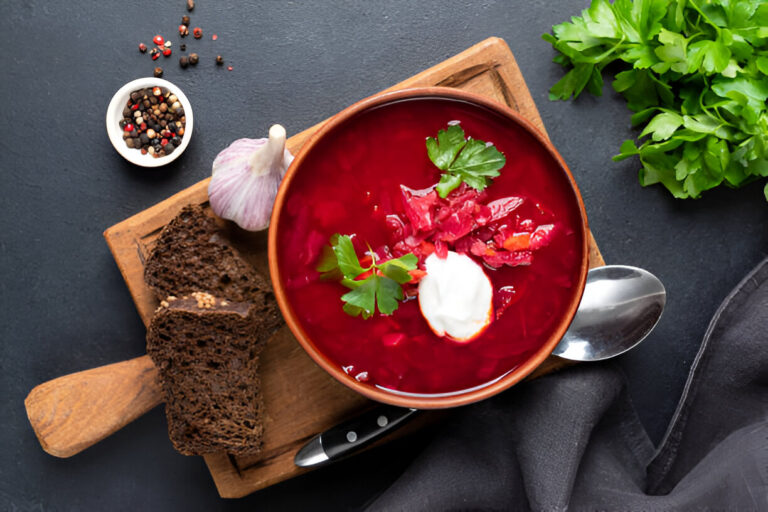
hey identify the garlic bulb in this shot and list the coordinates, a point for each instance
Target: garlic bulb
(245, 179)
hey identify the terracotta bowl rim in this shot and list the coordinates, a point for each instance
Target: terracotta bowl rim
(422, 401)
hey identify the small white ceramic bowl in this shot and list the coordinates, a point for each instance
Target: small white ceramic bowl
(115, 114)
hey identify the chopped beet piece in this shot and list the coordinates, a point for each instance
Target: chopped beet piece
(441, 249)
(501, 208)
(459, 223)
(420, 207)
(382, 254)
(483, 215)
(396, 226)
(463, 194)
(542, 236)
(480, 249)
(464, 245)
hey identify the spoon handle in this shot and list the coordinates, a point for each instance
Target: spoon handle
(75, 411)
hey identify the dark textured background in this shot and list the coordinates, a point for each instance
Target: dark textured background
(64, 305)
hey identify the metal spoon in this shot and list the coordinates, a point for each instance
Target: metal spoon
(620, 307)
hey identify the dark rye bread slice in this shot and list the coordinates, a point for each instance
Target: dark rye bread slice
(206, 350)
(191, 255)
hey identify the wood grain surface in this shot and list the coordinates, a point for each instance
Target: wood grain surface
(301, 400)
(75, 411)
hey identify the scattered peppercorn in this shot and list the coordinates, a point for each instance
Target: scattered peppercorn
(219, 60)
(153, 127)
(193, 59)
(197, 32)
(168, 44)
(158, 72)
(167, 52)
(155, 53)
(142, 48)
(183, 30)
(229, 68)
(214, 37)
(158, 40)
(185, 20)
(190, 4)
(183, 47)
(183, 62)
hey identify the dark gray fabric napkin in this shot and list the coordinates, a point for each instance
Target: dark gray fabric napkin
(572, 441)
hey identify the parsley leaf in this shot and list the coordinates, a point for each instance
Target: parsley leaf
(695, 74)
(470, 161)
(380, 288)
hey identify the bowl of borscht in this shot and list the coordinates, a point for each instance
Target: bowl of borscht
(428, 247)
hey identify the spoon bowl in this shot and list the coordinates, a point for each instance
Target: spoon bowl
(621, 305)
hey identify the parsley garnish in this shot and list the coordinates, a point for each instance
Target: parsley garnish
(696, 76)
(470, 161)
(382, 286)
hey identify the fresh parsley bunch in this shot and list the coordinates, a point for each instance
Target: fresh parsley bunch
(696, 77)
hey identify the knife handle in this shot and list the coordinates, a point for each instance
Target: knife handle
(358, 432)
(75, 411)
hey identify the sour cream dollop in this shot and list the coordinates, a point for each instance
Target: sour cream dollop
(456, 296)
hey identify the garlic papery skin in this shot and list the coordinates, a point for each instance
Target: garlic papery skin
(246, 176)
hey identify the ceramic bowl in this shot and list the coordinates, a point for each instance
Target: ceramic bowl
(299, 168)
(115, 114)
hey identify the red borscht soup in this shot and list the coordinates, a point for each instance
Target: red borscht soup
(372, 179)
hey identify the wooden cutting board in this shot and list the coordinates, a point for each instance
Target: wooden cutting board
(301, 400)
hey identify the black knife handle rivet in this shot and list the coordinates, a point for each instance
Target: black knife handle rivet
(362, 430)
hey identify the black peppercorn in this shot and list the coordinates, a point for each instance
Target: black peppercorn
(219, 60)
(183, 47)
(158, 72)
(185, 20)
(193, 59)
(183, 62)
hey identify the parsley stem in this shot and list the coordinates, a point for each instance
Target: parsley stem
(704, 16)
